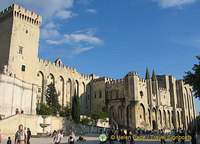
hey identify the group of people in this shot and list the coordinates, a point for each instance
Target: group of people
(182, 133)
(17, 111)
(57, 137)
(23, 135)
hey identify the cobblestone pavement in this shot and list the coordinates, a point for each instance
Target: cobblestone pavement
(91, 139)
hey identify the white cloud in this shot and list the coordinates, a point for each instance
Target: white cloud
(79, 41)
(64, 14)
(93, 11)
(85, 2)
(173, 3)
(50, 30)
(190, 41)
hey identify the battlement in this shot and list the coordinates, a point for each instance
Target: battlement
(115, 82)
(132, 73)
(142, 80)
(103, 79)
(21, 13)
(64, 67)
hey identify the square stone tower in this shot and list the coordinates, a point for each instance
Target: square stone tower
(19, 38)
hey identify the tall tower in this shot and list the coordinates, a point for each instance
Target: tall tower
(19, 38)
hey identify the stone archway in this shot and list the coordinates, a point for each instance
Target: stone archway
(154, 124)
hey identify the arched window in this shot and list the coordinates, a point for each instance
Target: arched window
(142, 112)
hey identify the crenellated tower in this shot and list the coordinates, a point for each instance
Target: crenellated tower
(19, 41)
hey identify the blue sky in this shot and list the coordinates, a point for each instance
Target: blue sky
(112, 37)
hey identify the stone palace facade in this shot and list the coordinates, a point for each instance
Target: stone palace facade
(155, 102)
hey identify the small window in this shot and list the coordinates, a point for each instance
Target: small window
(141, 94)
(23, 68)
(95, 96)
(100, 94)
(20, 50)
(39, 90)
(58, 92)
(117, 94)
(38, 75)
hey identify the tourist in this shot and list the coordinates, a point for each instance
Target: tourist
(20, 136)
(72, 138)
(138, 131)
(0, 135)
(9, 141)
(25, 130)
(182, 135)
(162, 137)
(17, 111)
(122, 137)
(196, 136)
(101, 131)
(28, 135)
(110, 136)
(22, 112)
(57, 137)
(132, 140)
(174, 134)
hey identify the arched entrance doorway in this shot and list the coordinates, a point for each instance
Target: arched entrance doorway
(154, 124)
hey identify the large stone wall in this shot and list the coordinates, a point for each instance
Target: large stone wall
(15, 93)
(9, 126)
(157, 102)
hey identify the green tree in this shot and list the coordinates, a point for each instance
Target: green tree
(96, 115)
(193, 78)
(52, 98)
(85, 121)
(66, 112)
(76, 111)
(43, 109)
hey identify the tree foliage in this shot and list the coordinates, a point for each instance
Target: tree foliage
(85, 121)
(193, 78)
(96, 115)
(65, 112)
(44, 110)
(76, 111)
(52, 98)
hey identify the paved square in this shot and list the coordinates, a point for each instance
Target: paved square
(91, 139)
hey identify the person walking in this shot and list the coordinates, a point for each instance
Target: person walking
(123, 139)
(20, 136)
(72, 138)
(0, 136)
(57, 137)
(182, 135)
(9, 141)
(28, 135)
(162, 137)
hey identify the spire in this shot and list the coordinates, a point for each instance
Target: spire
(154, 78)
(147, 74)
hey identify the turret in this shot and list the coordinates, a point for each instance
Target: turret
(147, 74)
(149, 87)
(154, 78)
(155, 87)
